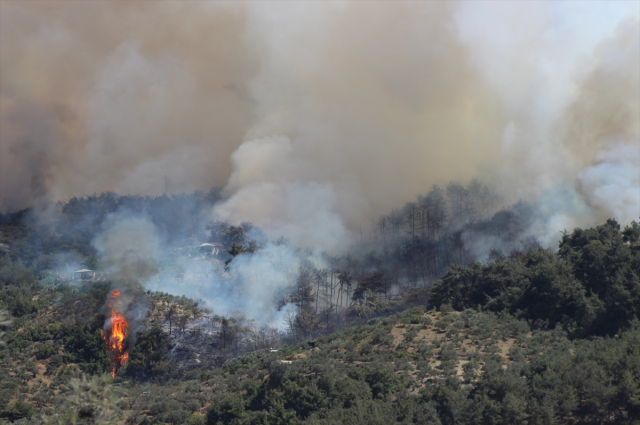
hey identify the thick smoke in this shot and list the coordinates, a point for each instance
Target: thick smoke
(317, 117)
(127, 96)
(136, 258)
(612, 185)
(251, 285)
(572, 98)
(129, 249)
(275, 190)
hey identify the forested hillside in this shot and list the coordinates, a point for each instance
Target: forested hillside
(389, 265)
(525, 335)
(442, 367)
(319, 212)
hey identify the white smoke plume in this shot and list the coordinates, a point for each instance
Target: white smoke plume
(275, 190)
(612, 184)
(129, 247)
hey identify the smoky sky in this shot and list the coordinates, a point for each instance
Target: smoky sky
(317, 116)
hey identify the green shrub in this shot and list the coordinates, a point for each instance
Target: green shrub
(410, 335)
(196, 419)
(444, 323)
(366, 348)
(158, 408)
(403, 364)
(515, 354)
(86, 346)
(55, 362)
(177, 417)
(382, 380)
(448, 353)
(149, 358)
(52, 328)
(492, 349)
(382, 337)
(469, 370)
(360, 336)
(45, 351)
(21, 409)
(424, 351)
(229, 409)
(446, 308)
(403, 346)
(87, 400)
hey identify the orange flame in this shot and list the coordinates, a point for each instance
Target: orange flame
(115, 334)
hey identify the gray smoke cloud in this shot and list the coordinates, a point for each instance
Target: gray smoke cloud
(317, 117)
(110, 95)
(252, 284)
(573, 102)
(129, 247)
(613, 183)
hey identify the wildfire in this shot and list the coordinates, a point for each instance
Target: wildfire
(116, 331)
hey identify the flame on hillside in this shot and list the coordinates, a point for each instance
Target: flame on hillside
(114, 333)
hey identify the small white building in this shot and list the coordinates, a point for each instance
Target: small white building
(214, 248)
(84, 274)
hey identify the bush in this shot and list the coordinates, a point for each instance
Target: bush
(196, 419)
(52, 328)
(54, 363)
(444, 323)
(410, 335)
(87, 400)
(148, 358)
(366, 348)
(21, 409)
(469, 370)
(448, 353)
(492, 349)
(382, 338)
(192, 406)
(45, 351)
(446, 308)
(381, 379)
(515, 354)
(86, 346)
(226, 410)
(157, 408)
(177, 417)
(424, 351)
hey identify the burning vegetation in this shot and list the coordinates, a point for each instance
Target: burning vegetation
(114, 334)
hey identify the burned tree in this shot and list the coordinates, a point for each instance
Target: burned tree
(227, 334)
(303, 296)
(375, 282)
